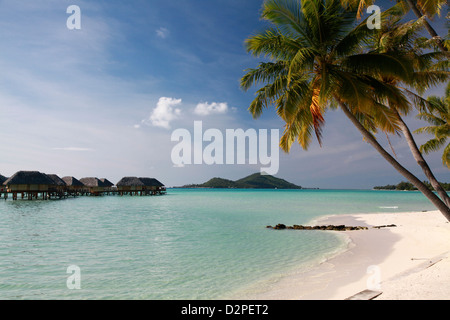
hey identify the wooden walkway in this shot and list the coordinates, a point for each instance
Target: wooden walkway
(55, 195)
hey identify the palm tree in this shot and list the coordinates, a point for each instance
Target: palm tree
(318, 60)
(404, 39)
(438, 115)
(429, 8)
(420, 8)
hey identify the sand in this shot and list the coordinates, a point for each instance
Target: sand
(407, 262)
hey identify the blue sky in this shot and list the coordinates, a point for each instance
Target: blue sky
(104, 100)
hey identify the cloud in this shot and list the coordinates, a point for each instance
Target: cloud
(165, 112)
(205, 109)
(162, 32)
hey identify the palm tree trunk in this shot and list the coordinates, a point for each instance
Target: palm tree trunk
(403, 171)
(422, 163)
(429, 28)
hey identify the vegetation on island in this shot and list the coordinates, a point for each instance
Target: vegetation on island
(254, 181)
(407, 186)
(321, 55)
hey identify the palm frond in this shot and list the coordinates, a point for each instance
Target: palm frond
(316, 112)
(432, 145)
(446, 156)
(287, 15)
(379, 64)
(295, 99)
(273, 44)
(361, 35)
(267, 95)
(431, 7)
(266, 72)
(431, 118)
(299, 130)
(418, 101)
(424, 80)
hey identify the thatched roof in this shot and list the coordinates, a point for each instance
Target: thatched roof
(72, 182)
(2, 179)
(106, 182)
(129, 181)
(29, 177)
(57, 180)
(151, 182)
(92, 182)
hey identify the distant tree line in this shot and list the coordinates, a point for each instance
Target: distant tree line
(409, 186)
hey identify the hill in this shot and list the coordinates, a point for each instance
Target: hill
(254, 181)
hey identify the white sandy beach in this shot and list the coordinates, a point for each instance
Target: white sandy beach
(406, 262)
(413, 259)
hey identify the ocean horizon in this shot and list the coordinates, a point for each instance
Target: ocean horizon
(186, 245)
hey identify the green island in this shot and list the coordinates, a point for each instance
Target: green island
(406, 186)
(254, 181)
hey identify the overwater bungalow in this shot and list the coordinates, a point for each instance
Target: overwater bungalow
(108, 185)
(30, 184)
(130, 185)
(59, 186)
(94, 186)
(153, 186)
(2, 187)
(140, 186)
(73, 186)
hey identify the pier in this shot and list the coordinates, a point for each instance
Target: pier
(34, 185)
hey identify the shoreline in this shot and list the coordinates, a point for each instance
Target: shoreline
(406, 262)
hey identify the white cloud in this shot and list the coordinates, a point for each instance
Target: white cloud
(205, 109)
(162, 32)
(165, 112)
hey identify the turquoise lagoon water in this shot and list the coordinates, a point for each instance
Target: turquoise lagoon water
(188, 244)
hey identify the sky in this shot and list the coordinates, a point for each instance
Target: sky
(103, 98)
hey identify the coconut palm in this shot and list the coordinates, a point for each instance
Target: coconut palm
(429, 8)
(429, 69)
(420, 8)
(438, 115)
(318, 60)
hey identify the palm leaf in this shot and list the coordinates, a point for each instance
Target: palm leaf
(378, 64)
(266, 72)
(432, 145)
(273, 44)
(446, 156)
(316, 112)
(431, 7)
(285, 14)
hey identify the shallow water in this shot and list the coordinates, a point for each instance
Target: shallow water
(188, 244)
